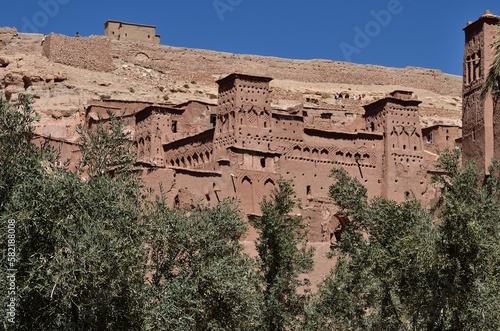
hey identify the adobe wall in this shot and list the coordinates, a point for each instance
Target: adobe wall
(406, 167)
(140, 33)
(68, 152)
(129, 31)
(309, 162)
(196, 117)
(184, 187)
(91, 53)
(193, 152)
(158, 179)
(480, 130)
(496, 126)
(438, 138)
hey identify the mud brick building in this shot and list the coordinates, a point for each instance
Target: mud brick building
(118, 30)
(480, 118)
(201, 153)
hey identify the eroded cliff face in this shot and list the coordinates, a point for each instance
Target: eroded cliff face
(159, 74)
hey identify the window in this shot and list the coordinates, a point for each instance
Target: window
(263, 162)
(308, 189)
(429, 138)
(213, 119)
(174, 126)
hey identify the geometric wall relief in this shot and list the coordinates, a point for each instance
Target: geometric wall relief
(253, 186)
(331, 155)
(252, 117)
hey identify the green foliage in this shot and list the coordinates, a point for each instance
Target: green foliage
(79, 244)
(107, 148)
(283, 255)
(447, 165)
(399, 268)
(385, 263)
(80, 250)
(20, 159)
(469, 244)
(200, 279)
(95, 255)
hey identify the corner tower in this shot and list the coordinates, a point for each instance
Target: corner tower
(243, 110)
(479, 130)
(397, 116)
(243, 138)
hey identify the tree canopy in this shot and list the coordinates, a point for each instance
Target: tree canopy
(402, 267)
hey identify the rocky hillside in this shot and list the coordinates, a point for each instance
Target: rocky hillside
(170, 74)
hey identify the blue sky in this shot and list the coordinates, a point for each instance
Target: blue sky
(395, 33)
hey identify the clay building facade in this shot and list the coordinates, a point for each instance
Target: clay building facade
(441, 136)
(117, 30)
(201, 153)
(68, 151)
(480, 118)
